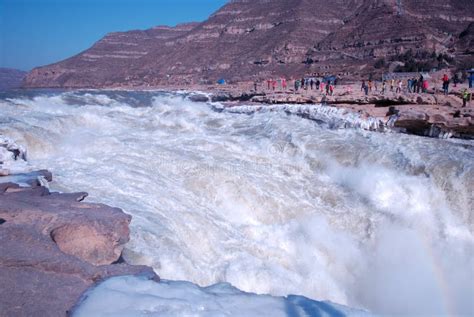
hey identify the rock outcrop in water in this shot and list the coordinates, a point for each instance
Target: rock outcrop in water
(432, 114)
(54, 247)
(247, 40)
(9, 150)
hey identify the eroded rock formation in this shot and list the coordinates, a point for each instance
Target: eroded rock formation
(248, 40)
(54, 247)
(433, 115)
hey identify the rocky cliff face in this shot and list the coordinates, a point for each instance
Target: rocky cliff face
(246, 40)
(465, 41)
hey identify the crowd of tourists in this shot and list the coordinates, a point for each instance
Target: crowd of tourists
(411, 85)
(327, 86)
(324, 85)
(414, 85)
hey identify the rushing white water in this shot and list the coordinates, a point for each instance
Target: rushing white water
(269, 202)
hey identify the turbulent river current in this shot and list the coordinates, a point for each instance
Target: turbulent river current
(269, 202)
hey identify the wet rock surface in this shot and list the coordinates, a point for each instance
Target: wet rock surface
(428, 114)
(33, 179)
(54, 247)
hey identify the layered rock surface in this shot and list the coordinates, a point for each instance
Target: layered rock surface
(426, 114)
(54, 247)
(465, 42)
(247, 40)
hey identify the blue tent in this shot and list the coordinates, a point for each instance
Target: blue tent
(221, 81)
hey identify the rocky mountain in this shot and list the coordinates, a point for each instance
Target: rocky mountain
(465, 42)
(256, 39)
(11, 78)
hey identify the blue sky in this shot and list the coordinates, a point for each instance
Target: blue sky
(40, 32)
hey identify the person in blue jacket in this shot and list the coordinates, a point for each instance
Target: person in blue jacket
(471, 78)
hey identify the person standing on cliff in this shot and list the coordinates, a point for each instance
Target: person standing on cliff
(384, 87)
(425, 86)
(399, 87)
(284, 84)
(255, 86)
(362, 87)
(455, 80)
(392, 84)
(445, 84)
(466, 96)
(420, 83)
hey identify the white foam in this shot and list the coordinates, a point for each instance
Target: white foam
(334, 117)
(12, 156)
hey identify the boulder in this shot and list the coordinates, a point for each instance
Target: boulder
(198, 98)
(54, 247)
(94, 233)
(221, 97)
(411, 121)
(392, 111)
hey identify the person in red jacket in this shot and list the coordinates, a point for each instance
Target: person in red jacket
(445, 84)
(425, 86)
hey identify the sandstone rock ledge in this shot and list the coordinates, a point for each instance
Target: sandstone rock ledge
(430, 114)
(54, 247)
